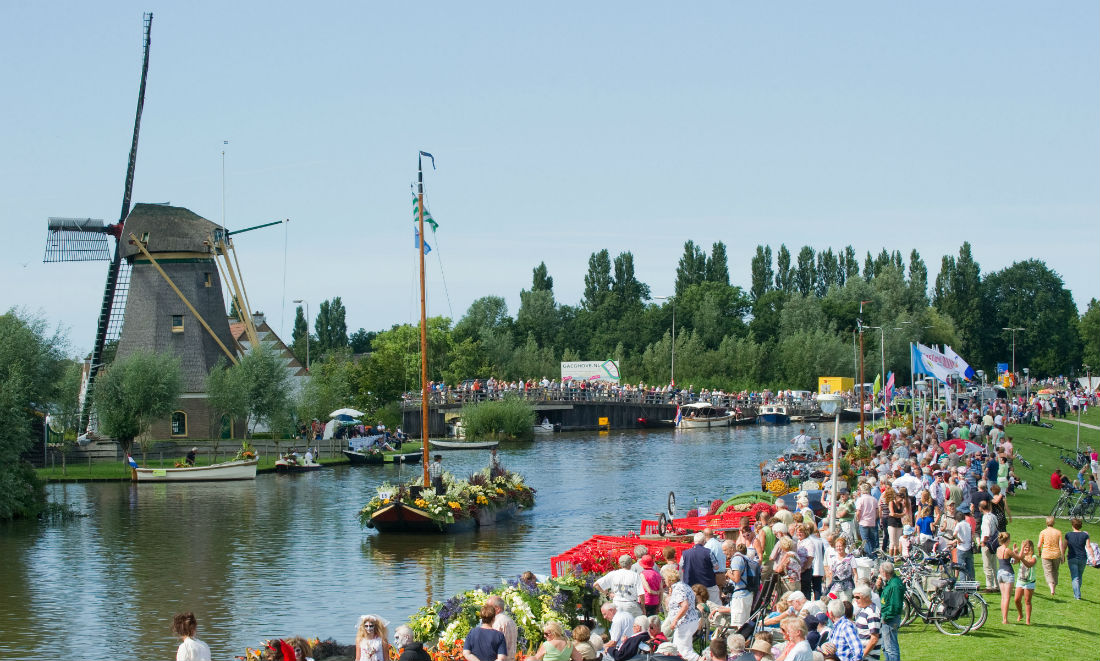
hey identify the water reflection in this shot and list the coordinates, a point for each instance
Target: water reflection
(285, 554)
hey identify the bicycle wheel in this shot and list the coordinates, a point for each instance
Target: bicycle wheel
(980, 607)
(909, 610)
(956, 626)
(917, 554)
(1057, 509)
(1092, 514)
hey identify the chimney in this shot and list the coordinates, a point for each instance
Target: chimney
(257, 319)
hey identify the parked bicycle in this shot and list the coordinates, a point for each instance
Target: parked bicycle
(1077, 461)
(941, 600)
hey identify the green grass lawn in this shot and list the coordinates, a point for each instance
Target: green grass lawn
(113, 471)
(1062, 628)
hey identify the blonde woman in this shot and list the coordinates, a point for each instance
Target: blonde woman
(1025, 580)
(371, 639)
(1006, 555)
(556, 647)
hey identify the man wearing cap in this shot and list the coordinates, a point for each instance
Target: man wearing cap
(623, 587)
(190, 458)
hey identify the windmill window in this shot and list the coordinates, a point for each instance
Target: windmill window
(179, 423)
(177, 323)
(206, 280)
(145, 237)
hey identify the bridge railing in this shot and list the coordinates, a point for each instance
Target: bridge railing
(411, 400)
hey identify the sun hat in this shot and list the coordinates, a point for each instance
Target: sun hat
(761, 645)
(646, 561)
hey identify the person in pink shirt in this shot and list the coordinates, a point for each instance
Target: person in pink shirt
(867, 518)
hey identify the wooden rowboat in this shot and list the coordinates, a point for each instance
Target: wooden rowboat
(228, 470)
(464, 445)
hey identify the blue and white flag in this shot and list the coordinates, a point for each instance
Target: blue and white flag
(416, 243)
(962, 368)
(926, 360)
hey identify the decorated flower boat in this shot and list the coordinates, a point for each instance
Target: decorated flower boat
(480, 501)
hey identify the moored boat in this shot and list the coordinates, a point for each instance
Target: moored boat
(464, 445)
(227, 470)
(547, 427)
(702, 415)
(294, 464)
(384, 457)
(772, 414)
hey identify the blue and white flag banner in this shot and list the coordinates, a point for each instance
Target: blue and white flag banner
(964, 369)
(927, 360)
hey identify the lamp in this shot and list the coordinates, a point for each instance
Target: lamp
(830, 405)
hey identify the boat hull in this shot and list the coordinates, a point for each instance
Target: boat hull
(705, 423)
(284, 467)
(361, 458)
(226, 471)
(773, 419)
(464, 445)
(402, 518)
(751, 420)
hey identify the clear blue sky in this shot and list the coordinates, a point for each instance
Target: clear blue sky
(559, 130)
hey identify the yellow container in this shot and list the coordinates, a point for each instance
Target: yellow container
(835, 384)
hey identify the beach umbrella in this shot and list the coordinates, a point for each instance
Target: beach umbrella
(960, 446)
(344, 417)
(348, 412)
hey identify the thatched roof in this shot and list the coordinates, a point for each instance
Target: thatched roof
(170, 229)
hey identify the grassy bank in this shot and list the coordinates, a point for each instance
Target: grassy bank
(118, 471)
(1062, 628)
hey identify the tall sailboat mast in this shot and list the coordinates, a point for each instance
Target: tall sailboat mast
(423, 313)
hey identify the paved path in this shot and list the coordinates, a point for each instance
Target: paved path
(1074, 422)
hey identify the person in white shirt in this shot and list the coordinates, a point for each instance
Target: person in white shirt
(798, 649)
(989, 531)
(964, 544)
(623, 587)
(191, 648)
(620, 625)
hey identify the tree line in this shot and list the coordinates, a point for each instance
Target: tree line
(798, 320)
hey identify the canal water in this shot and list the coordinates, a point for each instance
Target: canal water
(285, 554)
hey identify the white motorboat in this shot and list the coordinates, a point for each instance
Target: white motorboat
(703, 415)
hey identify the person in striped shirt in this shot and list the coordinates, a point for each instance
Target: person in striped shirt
(867, 622)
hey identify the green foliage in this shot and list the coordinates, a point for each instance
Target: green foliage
(541, 280)
(263, 378)
(298, 337)
(360, 340)
(1089, 328)
(135, 391)
(331, 327)
(508, 419)
(762, 274)
(692, 268)
(597, 282)
(331, 386)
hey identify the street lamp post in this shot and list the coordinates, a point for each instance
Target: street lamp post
(672, 299)
(1013, 329)
(1027, 384)
(299, 300)
(830, 405)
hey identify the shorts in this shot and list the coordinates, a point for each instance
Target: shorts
(1004, 576)
(1026, 586)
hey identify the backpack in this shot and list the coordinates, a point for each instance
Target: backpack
(751, 576)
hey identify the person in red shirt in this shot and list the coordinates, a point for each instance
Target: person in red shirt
(1057, 480)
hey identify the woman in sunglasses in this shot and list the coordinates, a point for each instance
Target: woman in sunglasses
(370, 639)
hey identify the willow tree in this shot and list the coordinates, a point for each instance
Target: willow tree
(135, 391)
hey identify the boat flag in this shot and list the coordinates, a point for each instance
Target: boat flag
(963, 369)
(416, 242)
(130, 460)
(678, 418)
(428, 220)
(888, 396)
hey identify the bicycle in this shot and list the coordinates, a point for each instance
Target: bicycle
(1025, 462)
(949, 610)
(1065, 502)
(1085, 508)
(941, 573)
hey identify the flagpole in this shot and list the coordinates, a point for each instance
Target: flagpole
(423, 321)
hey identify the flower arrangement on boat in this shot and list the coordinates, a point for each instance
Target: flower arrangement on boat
(531, 606)
(246, 453)
(461, 500)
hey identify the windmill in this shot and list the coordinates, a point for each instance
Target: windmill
(78, 240)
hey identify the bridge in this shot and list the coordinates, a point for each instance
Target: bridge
(580, 409)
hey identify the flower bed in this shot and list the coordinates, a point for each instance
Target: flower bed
(461, 500)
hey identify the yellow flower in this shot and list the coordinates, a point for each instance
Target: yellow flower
(482, 500)
(500, 491)
(386, 501)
